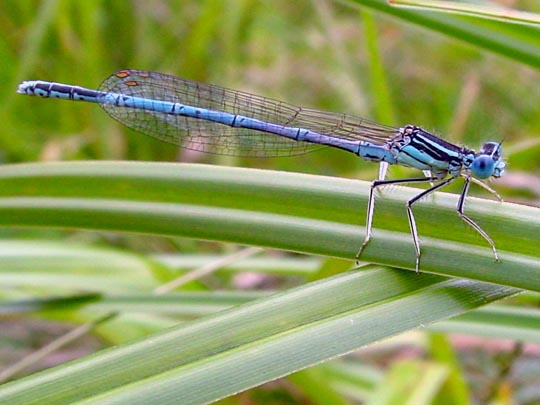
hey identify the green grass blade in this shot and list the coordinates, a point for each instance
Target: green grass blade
(258, 341)
(295, 212)
(503, 322)
(59, 267)
(478, 10)
(517, 42)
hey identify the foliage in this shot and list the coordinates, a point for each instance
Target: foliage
(89, 241)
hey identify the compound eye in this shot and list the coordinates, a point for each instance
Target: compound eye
(483, 167)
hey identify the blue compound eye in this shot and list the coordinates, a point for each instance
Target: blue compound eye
(483, 167)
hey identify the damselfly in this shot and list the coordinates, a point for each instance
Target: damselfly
(213, 119)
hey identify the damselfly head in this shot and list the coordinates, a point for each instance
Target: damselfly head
(487, 163)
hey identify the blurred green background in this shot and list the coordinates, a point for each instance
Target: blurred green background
(311, 53)
(329, 55)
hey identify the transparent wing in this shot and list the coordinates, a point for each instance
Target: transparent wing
(212, 137)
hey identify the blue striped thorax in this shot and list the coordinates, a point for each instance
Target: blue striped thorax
(415, 147)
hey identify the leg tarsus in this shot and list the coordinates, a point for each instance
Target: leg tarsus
(474, 225)
(371, 208)
(410, 215)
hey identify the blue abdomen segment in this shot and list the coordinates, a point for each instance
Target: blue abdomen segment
(224, 118)
(214, 119)
(63, 91)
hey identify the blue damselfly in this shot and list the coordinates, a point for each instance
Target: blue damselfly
(213, 119)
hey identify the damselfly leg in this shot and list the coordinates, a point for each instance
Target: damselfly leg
(371, 206)
(469, 221)
(410, 215)
(485, 187)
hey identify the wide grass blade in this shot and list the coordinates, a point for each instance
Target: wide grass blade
(302, 213)
(239, 348)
